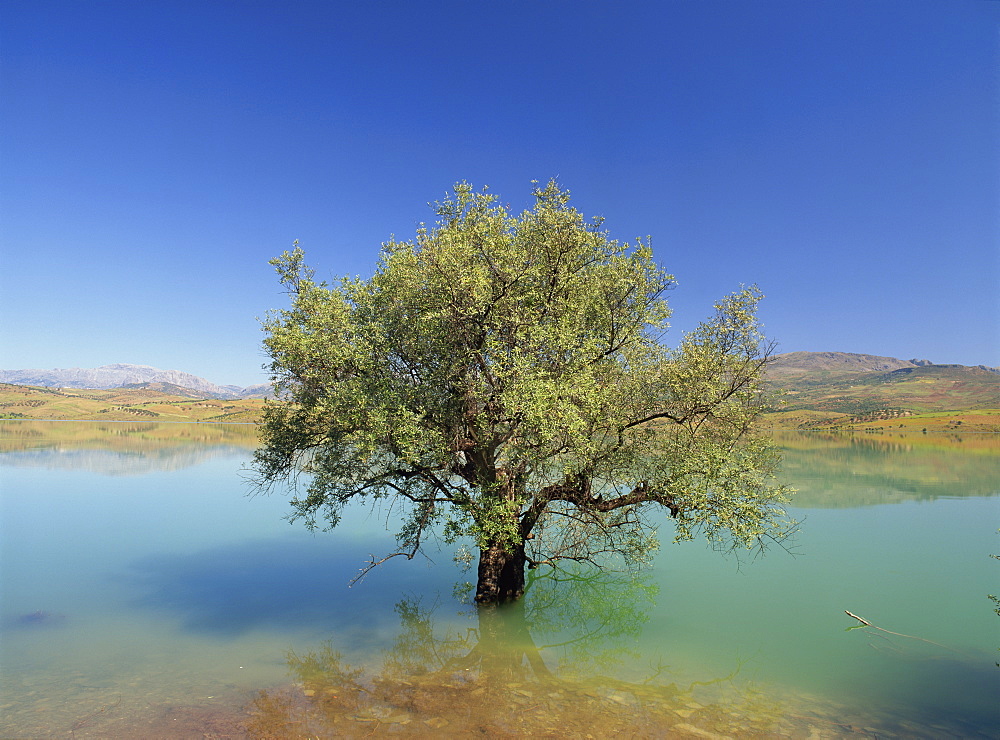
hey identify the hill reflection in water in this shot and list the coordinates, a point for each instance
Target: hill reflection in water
(882, 470)
(847, 470)
(116, 449)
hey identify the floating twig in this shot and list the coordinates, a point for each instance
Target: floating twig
(860, 619)
(866, 623)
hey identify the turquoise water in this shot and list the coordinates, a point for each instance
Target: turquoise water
(144, 594)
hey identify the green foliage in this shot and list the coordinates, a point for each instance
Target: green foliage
(503, 376)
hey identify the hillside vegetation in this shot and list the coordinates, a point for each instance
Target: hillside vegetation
(145, 402)
(840, 391)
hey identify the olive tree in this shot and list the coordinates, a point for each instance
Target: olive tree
(503, 378)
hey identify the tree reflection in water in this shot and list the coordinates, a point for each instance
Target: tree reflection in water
(501, 679)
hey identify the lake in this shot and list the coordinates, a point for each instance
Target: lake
(144, 594)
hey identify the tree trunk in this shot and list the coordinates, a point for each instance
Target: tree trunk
(501, 573)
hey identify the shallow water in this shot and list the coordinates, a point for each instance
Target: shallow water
(143, 594)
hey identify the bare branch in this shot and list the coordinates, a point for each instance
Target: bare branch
(373, 563)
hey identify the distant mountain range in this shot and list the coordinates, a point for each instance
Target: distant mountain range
(785, 368)
(797, 364)
(132, 376)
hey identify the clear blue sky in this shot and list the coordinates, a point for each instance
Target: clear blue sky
(155, 155)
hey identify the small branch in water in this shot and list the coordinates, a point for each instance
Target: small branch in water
(866, 623)
(860, 619)
(373, 563)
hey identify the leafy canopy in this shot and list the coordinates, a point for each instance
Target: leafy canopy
(503, 378)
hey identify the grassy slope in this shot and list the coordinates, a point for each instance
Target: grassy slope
(936, 398)
(120, 404)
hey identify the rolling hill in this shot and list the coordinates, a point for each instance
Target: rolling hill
(129, 403)
(796, 364)
(843, 390)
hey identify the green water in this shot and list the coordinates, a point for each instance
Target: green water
(143, 594)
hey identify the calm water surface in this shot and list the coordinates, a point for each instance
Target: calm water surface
(143, 594)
